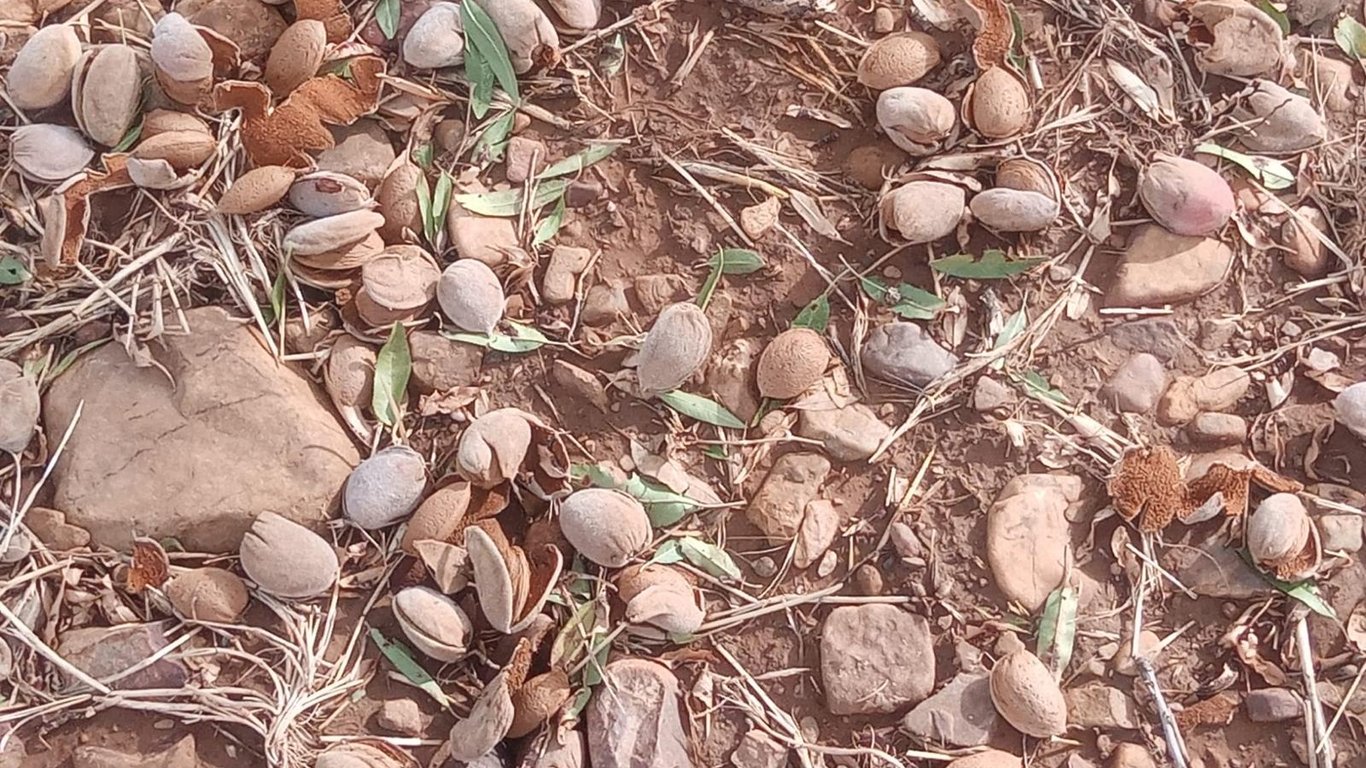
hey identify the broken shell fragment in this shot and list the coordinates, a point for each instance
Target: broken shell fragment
(437, 39)
(256, 190)
(439, 516)
(20, 405)
(471, 296)
(997, 104)
(606, 526)
(40, 75)
(1282, 539)
(1237, 39)
(1028, 175)
(349, 378)
(208, 594)
(492, 447)
(660, 600)
(49, 154)
(384, 488)
(676, 347)
(433, 623)
(916, 119)
(296, 56)
(898, 59)
(331, 233)
(325, 193)
(1027, 696)
(537, 700)
(487, 724)
(923, 211)
(157, 174)
(1278, 120)
(286, 559)
(512, 589)
(1186, 197)
(106, 90)
(792, 363)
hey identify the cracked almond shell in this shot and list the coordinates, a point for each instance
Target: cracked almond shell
(400, 281)
(1028, 175)
(791, 363)
(385, 488)
(606, 526)
(20, 406)
(997, 104)
(209, 594)
(326, 193)
(512, 590)
(661, 598)
(471, 296)
(256, 190)
(40, 75)
(676, 347)
(331, 233)
(898, 59)
(1027, 696)
(1186, 197)
(492, 447)
(923, 211)
(487, 724)
(49, 153)
(286, 559)
(1278, 120)
(1246, 42)
(916, 119)
(433, 623)
(296, 56)
(106, 91)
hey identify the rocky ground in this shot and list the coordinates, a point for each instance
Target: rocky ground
(684, 383)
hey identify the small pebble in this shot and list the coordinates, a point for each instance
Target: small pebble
(884, 20)
(868, 580)
(764, 567)
(827, 564)
(905, 541)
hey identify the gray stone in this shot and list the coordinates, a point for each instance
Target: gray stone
(440, 365)
(905, 353)
(1096, 705)
(237, 434)
(562, 273)
(851, 433)
(1216, 391)
(1137, 385)
(104, 653)
(402, 716)
(488, 239)
(1028, 536)
(633, 718)
(759, 750)
(875, 658)
(1215, 429)
(992, 396)
(780, 505)
(1158, 336)
(1215, 570)
(604, 303)
(1131, 756)
(525, 157)
(904, 540)
(1273, 705)
(363, 152)
(959, 715)
(1341, 533)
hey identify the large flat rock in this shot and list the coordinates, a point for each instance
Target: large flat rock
(197, 456)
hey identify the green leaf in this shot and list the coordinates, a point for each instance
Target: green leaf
(1058, 627)
(1273, 174)
(129, 139)
(548, 227)
(398, 654)
(70, 357)
(905, 299)
(13, 271)
(1277, 14)
(709, 557)
(992, 266)
(594, 474)
(669, 552)
(1306, 591)
(579, 703)
(386, 15)
(424, 205)
(736, 261)
(424, 154)
(1351, 37)
(1037, 386)
(524, 338)
(480, 76)
(717, 452)
(277, 298)
(481, 35)
(494, 139)
(577, 162)
(507, 203)
(701, 408)
(393, 366)
(441, 202)
(570, 640)
(815, 315)
(665, 507)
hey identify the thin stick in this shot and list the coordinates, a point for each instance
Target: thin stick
(1318, 728)
(1176, 746)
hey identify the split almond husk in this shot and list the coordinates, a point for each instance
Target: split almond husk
(106, 90)
(40, 75)
(1027, 696)
(331, 232)
(182, 59)
(512, 589)
(493, 447)
(256, 190)
(1283, 540)
(158, 174)
(537, 700)
(296, 56)
(1235, 38)
(448, 565)
(349, 378)
(605, 525)
(916, 119)
(48, 153)
(660, 600)
(66, 214)
(346, 260)
(209, 594)
(676, 347)
(396, 285)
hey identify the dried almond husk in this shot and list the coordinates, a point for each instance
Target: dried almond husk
(106, 90)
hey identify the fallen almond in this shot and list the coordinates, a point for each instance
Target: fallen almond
(296, 56)
(256, 190)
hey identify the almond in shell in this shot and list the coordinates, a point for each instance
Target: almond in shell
(182, 59)
(916, 119)
(791, 363)
(331, 233)
(20, 405)
(286, 559)
(106, 90)
(1283, 540)
(182, 149)
(997, 104)
(325, 193)
(923, 211)
(676, 347)
(256, 190)
(384, 488)
(1234, 38)
(605, 525)
(660, 601)
(433, 623)
(898, 59)
(487, 724)
(349, 378)
(1014, 210)
(40, 75)
(511, 586)
(1026, 695)
(296, 56)
(1186, 197)
(438, 517)
(48, 153)
(398, 202)
(437, 39)
(208, 594)
(471, 296)
(493, 446)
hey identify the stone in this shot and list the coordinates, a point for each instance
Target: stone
(1159, 267)
(1273, 705)
(820, 526)
(580, 193)
(604, 304)
(1341, 533)
(730, 377)
(759, 750)
(525, 158)
(904, 540)
(655, 292)
(1131, 756)
(905, 353)
(868, 580)
(1158, 336)
(1137, 385)
(634, 720)
(779, 508)
(875, 659)
(580, 384)
(884, 20)
(181, 754)
(51, 528)
(135, 465)
(562, 274)
(253, 25)
(1028, 536)
(827, 564)
(1096, 705)
(1215, 429)
(362, 152)
(851, 433)
(1218, 390)
(107, 652)
(441, 365)
(992, 396)
(402, 716)
(959, 715)
(757, 220)
(488, 239)
(1216, 570)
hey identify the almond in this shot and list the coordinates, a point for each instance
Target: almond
(398, 202)
(487, 724)
(209, 594)
(325, 193)
(402, 278)
(48, 153)
(792, 363)
(286, 559)
(537, 700)
(492, 447)
(1278, 120)
(331, 232)
(923, 211)
(433, 623)
(1027, 696)
(40, 76)
(676, 347)
(606, 526)
(1186, 197)
(916, 119)
(256, 190)
(1246, 41)
(182, 149)
(439, 517)
(471, 296)
(997, 104)
(20, 405)
(1014, 210)
(526, 29)
(160, 121)
(898, 59)
(106, 91)
(296, 56)
(437, 39)
(384, 488)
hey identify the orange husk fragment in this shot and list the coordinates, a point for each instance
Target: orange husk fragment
(287, 134)
(1148, 483)
(66, 214)
(331, 13)
(992, 46)
(1216, 710)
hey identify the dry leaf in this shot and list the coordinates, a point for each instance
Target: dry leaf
(150, 567)
(287, 134)
(806, 206)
